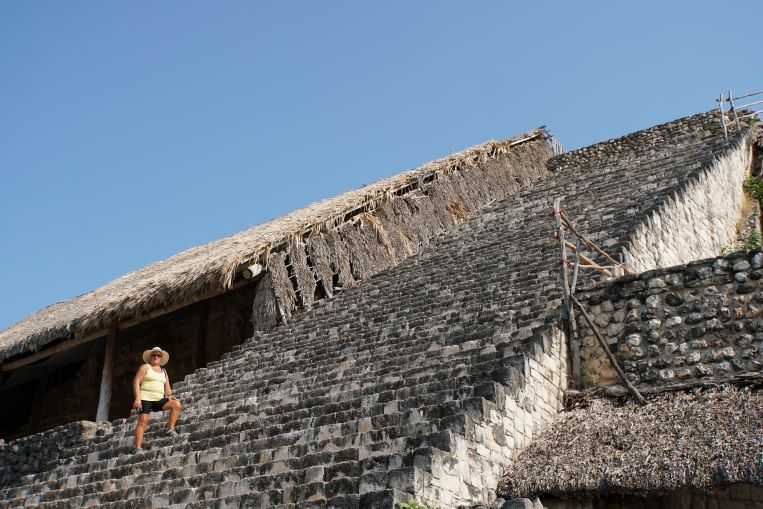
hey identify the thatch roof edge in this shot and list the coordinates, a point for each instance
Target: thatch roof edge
(701, 440)
(212, 267)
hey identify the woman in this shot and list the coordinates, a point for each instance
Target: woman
(151, 387)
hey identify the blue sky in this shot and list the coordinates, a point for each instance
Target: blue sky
(130, 131)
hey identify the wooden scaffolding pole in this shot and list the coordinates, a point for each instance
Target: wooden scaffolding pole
(608, 352)
(592, 245)
(567, 316)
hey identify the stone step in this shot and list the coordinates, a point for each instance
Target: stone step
(338, 398)
(374, 429)
(293, 481)
(372, 441)
(333, 393)
(323, 412)
(317, 365)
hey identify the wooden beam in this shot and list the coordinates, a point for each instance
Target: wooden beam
(589, 263)
(591, 244)
(79, 340)
(608, 352)
(564, 278)
(107, 375)
(60, 347)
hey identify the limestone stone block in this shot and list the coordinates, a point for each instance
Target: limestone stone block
(602, 320)
(314, 474)
(614, 329)
(667, 374)
(673, 321)
(683, 373)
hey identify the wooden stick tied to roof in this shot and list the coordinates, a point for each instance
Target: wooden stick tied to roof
(593, 245)
(603, 344)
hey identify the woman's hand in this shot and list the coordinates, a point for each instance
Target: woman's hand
(137, 404)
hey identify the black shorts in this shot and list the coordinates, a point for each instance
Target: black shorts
(146, 407)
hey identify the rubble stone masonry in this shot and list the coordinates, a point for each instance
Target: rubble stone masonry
(687, 324)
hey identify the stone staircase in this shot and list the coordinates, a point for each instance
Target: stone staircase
(327, 447)
(424, 381)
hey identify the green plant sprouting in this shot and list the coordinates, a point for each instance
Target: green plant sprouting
(752, 241)
(411, 504)
(754, 186)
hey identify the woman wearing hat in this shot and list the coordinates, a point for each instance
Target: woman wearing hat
(151, 386)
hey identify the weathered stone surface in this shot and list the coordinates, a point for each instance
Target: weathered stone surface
(702, 329)
(426, 379)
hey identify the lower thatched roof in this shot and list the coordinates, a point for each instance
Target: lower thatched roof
(701, 440)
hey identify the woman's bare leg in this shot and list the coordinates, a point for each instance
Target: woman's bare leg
(174, 407)
(140, 428)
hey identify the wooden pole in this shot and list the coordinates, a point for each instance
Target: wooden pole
(723, 119)
(574, 343)
(563, 274)
(563, 260)
(592, 245)
(589, 262)
(107, 376)
(608, 352)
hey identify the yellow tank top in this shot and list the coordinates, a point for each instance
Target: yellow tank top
(152, 385)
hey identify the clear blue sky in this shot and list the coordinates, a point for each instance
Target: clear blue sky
(130, 131)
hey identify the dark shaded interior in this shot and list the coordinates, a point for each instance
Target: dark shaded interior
(65, 387)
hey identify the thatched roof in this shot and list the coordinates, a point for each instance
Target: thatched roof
(211, 268)
(697, 440)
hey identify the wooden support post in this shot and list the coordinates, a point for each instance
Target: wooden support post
(574, 343)
(564, 276)
(107, 376)
(563, 251)
(201, 335)
(608, 352)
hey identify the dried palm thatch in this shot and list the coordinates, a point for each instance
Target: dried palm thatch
(699, 440)
(321, 228)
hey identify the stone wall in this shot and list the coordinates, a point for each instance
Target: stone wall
(423, 380)
(644, 144)
(698, 220)
(687, 324)
(495, 429)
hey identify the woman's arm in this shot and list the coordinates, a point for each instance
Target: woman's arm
(167, 388)
(136, 385)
